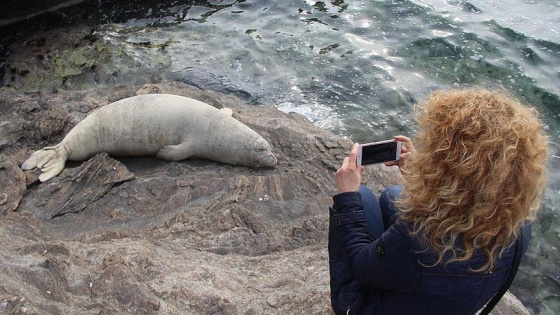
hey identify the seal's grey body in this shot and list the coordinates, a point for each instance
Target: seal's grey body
(170, 127)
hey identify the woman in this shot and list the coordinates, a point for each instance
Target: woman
(443, 242)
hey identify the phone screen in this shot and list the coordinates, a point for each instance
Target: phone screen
(379, 152)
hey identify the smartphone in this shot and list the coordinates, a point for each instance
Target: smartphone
(378, 152)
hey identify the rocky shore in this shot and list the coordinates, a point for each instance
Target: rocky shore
(144, 236)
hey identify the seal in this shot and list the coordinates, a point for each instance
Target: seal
(171, 127)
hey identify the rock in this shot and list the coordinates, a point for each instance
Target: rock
(52, 59)
(140, 235)
(13, 11)
(12, 184)
(76, 188)
(509, 305)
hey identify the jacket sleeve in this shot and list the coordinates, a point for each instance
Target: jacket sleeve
(388, 262)
(344, 290)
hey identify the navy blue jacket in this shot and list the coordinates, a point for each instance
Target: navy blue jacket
(389, 277)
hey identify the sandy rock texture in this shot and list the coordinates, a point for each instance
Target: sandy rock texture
(141, 235)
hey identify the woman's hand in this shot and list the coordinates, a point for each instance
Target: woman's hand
(407, 149)
(349, 176)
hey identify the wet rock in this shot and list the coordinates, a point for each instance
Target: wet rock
(18, 10)
(509, 305)
(55, 60)
(12, 185)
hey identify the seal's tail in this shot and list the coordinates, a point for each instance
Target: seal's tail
(50, 160)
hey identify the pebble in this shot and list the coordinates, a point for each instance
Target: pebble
(15, 298)
(156, 305)
(272, 302)
(115, 213)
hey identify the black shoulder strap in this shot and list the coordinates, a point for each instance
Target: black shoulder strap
(504, 288)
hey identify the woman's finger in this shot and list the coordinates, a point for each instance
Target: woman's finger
(391, 163)
(354, 154)
(407, 142)
(345, 161)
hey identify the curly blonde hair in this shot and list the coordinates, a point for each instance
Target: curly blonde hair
(479, 173)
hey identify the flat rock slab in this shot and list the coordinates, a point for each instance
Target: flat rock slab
(139, 235)
(76, 188)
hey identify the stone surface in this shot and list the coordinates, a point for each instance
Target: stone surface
(509, 305)
(140, 235)
(12, 11)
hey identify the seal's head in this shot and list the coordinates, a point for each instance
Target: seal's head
(261, 154)
(230, 141)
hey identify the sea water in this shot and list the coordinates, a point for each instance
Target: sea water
(358, 67)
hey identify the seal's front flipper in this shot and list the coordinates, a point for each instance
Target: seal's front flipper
(51, 170)
(50, 160)
(176, 152)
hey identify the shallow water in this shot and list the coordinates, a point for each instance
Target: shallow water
(358, 67)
